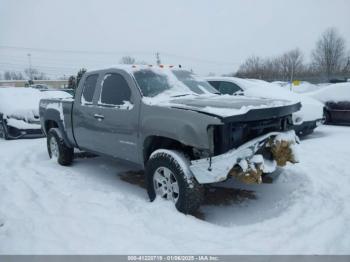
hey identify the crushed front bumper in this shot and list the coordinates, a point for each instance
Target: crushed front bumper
(307, 127)
(247, 163)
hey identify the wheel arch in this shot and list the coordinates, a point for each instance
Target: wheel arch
(52, 119)
(153, 143)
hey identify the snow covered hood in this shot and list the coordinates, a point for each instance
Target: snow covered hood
(332, 93)
(23, 103)
(20, 103)
(220, 105)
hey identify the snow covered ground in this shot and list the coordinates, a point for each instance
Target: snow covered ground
(88, 208)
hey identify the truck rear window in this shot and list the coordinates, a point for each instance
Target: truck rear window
(89, 89)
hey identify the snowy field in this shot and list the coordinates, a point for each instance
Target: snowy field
(95, 207)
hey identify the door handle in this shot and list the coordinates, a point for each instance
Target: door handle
(99, 117)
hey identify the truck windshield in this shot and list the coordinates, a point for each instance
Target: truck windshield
(173, 83)
(195, 84)
(150, 83)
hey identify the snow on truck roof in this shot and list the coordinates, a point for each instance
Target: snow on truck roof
(134, 67)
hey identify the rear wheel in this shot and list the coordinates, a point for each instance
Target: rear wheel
(3, 131)
(57, 148)
(167, 178)
(327, 117)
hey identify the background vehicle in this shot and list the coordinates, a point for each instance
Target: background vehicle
(58, 93)
(19, 111)
(336, 99)
(305, 120)
(182, 139)
(40, 86)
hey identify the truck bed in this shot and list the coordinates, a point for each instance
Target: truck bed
(58, 109)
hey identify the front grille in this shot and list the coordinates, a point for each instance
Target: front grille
(232, 135)
(37, 122)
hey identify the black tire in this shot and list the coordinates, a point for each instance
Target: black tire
(190, 192)
(328, 118)
(3, 131)
(65, 154)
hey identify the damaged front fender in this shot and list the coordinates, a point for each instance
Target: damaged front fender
(247, 163)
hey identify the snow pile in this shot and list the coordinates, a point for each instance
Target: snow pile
(333, 93)
(304, 87)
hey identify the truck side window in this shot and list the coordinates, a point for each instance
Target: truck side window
(115, 90)
(228, 88)
(89, 89)
(215, 84)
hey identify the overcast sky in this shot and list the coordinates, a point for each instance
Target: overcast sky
(207, 36)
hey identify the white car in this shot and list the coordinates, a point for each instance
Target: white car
(19, 111)
(304, 121)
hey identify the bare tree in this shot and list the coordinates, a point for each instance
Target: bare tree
(271, 69)
(328, 56)
(128, 60)
(291, 64)
(346, 68)
(141, 62)
(251, 68)
(35, 74)
(12, 75)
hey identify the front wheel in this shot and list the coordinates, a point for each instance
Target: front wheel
(327, 117)
(3, 128)
(57, 148)
(3, 131)
(168, 177)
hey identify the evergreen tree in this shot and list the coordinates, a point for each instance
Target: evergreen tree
(80, 75)
(72, 82)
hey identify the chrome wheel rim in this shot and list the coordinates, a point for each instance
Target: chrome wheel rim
(54, 148)
(165, 184)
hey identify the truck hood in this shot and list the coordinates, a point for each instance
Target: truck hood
(237, 108)
(230, 103)
(228, 108)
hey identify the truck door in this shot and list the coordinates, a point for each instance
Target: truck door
(84, 110)
(118, 114)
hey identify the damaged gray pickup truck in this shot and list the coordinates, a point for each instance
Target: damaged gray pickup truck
(174, 126)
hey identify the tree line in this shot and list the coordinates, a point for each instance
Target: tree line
(329, 62)
(29, 73)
